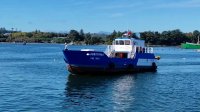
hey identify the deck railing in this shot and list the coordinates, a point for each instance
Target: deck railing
(110, 50)
(143, 50)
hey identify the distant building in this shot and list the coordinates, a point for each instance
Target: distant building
(7, 34)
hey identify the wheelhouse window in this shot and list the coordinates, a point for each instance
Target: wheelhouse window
(127, 42)
(121, 42)
(116, 42)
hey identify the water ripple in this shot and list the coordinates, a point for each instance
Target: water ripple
(36, 80)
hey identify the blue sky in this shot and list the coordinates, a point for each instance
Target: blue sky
(100, 15)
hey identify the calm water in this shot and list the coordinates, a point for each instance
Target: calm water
(34, 78)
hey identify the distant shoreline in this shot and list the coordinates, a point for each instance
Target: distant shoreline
(80, 45)
(29, 43)
(162, 46)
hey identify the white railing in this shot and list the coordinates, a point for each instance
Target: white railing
(110, 50)
(142, 50)
(148, 49)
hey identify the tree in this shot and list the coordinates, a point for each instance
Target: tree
(96, 40)
(111, 37)
(82, 35)
(119, 34)
(29, 34)
(196, 33)
(74, 36)
(148, 36)
(3, 30)
(88, 38)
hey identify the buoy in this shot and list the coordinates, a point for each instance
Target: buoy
(157, 57)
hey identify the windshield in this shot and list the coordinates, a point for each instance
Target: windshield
(122, 42)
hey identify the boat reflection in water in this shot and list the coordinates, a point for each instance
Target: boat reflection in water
(99, 93)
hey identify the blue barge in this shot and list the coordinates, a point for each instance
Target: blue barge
(125, 55)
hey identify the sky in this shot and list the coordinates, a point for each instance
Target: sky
(100, 15)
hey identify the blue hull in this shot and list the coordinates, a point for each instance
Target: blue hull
(86, 62)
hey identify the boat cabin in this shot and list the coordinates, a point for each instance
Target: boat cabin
(126, 48)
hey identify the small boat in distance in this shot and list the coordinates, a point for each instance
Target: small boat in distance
(125, 55)
(24, 43)
(188, 45)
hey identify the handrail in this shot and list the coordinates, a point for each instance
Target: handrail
(109, 50)
(135, 49)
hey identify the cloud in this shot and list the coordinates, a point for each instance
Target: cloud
(30, 22)
(181, 4)
(120, 9)
(120, 6)
(146, 5)
(82, 3)
(115, 15)
(77, 3)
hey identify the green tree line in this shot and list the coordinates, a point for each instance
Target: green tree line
(171, 37)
